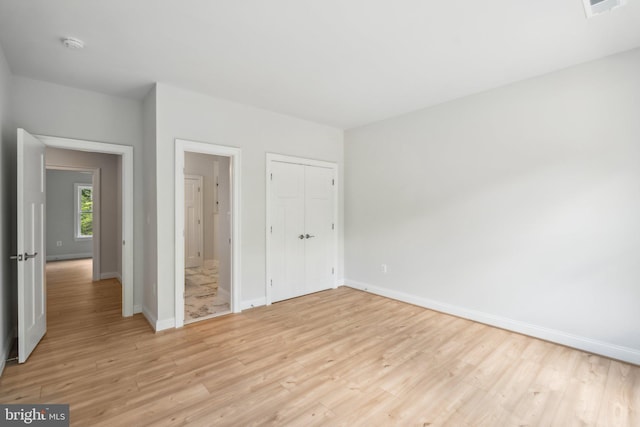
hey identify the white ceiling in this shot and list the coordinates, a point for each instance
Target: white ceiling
(340, 62)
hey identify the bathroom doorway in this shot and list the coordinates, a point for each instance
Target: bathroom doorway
(207, 236)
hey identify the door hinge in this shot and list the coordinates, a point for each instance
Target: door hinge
(271, 177)
(271, 282)
(198, 221)
(271, 229)
(332, 270)
(333, 182)
(198, 189)
(123, 242)
(333, 226)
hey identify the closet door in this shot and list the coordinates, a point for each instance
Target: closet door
(318, 219)
(287, 231)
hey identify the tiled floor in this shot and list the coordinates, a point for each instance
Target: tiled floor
(202, 298)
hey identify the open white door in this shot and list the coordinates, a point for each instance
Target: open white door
(32, 309)
(193, 226)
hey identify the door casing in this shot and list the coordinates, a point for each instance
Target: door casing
(235, 163)
(126, 152)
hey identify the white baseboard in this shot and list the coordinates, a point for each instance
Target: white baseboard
(68, 256)
(245, 305)
(150, 317)
(111, 275)
(137, 309)
(163, 324)
(589, 345)
(5, 351)
(158, 325)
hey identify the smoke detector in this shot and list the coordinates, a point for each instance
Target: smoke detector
(72, 43)
(596, 7)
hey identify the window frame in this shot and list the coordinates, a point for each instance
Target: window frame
(77, 189)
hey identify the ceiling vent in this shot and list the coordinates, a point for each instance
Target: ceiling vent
(596, 7)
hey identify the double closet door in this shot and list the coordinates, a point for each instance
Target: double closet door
(302, 229)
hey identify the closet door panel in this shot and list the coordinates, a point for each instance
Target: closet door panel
(319, 247)
(287, 220)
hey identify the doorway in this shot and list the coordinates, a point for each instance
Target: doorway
(207, 232)
(73, 213)
(31, 238)
(121, 267)
(207, 258)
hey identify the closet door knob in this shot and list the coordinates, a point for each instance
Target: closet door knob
(308, 236)
(301, 236)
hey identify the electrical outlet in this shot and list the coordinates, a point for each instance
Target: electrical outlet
(384, 268)
(59, 243)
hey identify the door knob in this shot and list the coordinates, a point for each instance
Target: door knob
(308, 236)
(301, 236)
(27, 256)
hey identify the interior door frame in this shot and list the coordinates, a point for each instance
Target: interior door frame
(235, 168)
(126, 152)
(200, 180)
(95, 172)
(273, 157)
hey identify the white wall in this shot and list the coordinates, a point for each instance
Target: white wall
(109, 237)
(7, 170)
(223, 225)
(517, 207)
(61, 217)
(150, 266)
(55, 110)
(191, 116)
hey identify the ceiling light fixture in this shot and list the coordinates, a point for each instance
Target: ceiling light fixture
(72, 43)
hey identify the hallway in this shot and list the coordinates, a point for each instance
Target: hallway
(75, 302)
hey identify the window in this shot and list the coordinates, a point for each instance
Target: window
(84, 211)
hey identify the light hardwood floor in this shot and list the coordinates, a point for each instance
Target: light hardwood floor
(339, 357)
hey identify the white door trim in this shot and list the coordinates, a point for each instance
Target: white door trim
(126, 152)
(96, 212)
(272, 157)
(234, 155)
